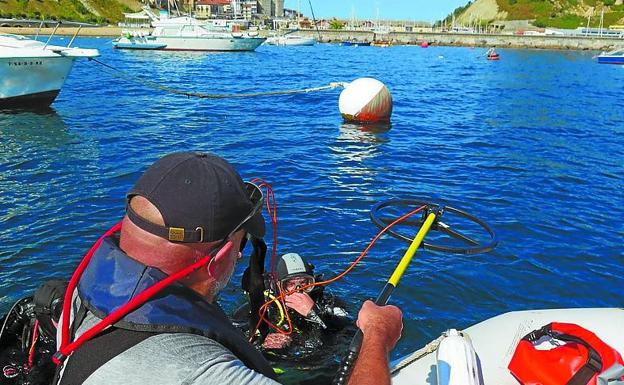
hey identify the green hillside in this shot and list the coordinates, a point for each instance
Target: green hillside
(92, 11)
(551, 13)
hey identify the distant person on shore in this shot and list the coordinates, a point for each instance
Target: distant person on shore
(186, 209)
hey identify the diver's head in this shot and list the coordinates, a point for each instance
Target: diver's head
(294, 272)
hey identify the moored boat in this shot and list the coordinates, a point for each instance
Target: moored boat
(187, 34)
(291, 40)
(33, 72)
(612, 57)
(491, 54)
(381, 43)
(355, 43)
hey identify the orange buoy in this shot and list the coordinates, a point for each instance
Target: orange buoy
(365, 100)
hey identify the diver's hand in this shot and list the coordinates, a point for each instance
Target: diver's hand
(276, 341)
(382, 323)
(302, 303)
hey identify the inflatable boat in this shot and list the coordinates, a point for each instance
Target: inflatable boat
(495, 340)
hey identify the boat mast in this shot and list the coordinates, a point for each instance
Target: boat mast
(314, 20)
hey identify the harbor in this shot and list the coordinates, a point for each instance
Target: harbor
(470, 176)
(397, 38)
(496, 138)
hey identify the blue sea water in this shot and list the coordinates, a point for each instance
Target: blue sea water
(532, 144)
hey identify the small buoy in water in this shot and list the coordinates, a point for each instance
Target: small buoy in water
(424, 44)
(365, 100)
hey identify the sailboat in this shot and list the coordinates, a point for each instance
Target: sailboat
(289, 39)
(353, 26)
(381, 34)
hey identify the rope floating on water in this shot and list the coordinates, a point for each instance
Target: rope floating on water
(201, 95)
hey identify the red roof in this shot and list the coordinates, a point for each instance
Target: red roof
(213, 2)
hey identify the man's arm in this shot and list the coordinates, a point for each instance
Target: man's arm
(381, 327)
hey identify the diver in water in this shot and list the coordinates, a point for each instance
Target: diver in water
(308, 318)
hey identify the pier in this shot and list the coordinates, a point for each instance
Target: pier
(471, 40)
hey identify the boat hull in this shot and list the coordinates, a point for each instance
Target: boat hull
(611, 59)
(495, 340)
(32, 82)
(355, 44)
(31, 101)
(174, 43)
(281, 41)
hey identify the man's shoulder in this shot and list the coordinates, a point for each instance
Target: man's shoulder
(189, 348)
(175, 358)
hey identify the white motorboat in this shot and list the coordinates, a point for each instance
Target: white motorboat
(291, 40)
(495, 340)
(187, 34)
(32, 72)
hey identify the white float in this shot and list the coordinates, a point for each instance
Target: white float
(365, 100)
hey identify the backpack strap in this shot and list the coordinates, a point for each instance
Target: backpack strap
(98, 351)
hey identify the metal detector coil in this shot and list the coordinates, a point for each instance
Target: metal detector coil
(480, 239)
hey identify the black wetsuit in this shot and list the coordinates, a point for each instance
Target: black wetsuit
(308, 336)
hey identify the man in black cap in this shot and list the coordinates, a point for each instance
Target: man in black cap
(186, 221)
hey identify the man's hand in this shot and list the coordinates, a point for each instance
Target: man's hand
(381, 322)
(276, 341)
(302, 303)
(381, 326)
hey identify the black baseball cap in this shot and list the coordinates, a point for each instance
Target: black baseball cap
(201, 198)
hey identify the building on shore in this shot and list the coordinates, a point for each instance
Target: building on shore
(235, 9)
(270, 8)
(212, 8)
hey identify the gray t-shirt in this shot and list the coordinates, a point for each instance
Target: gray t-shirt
(171, 359)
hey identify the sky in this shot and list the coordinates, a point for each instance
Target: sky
(419, 10)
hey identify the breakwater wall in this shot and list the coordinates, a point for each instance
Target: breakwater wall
(443, 39)
(472, 40)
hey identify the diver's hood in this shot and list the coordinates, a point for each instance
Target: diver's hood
(292, 264)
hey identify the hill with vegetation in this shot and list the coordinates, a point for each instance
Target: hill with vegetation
(542, 13)
(90, 11)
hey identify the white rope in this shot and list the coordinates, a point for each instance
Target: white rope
(427, 349)
(201, 95)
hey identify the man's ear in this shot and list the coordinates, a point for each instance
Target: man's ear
(218, 265)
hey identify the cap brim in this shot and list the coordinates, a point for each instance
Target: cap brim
(255, 225)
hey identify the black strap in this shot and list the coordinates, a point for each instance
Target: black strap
(172, 234)
(591, 367)
(98, 351)
(254, 284)
(79, 316)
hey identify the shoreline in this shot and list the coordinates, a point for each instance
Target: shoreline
(396, 38)
(65, 31)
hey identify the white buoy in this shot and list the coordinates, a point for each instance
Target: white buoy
(365, 100)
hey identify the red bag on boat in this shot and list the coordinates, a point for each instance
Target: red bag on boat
(578, 360)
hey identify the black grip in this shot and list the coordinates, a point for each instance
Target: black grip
(348, 362)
